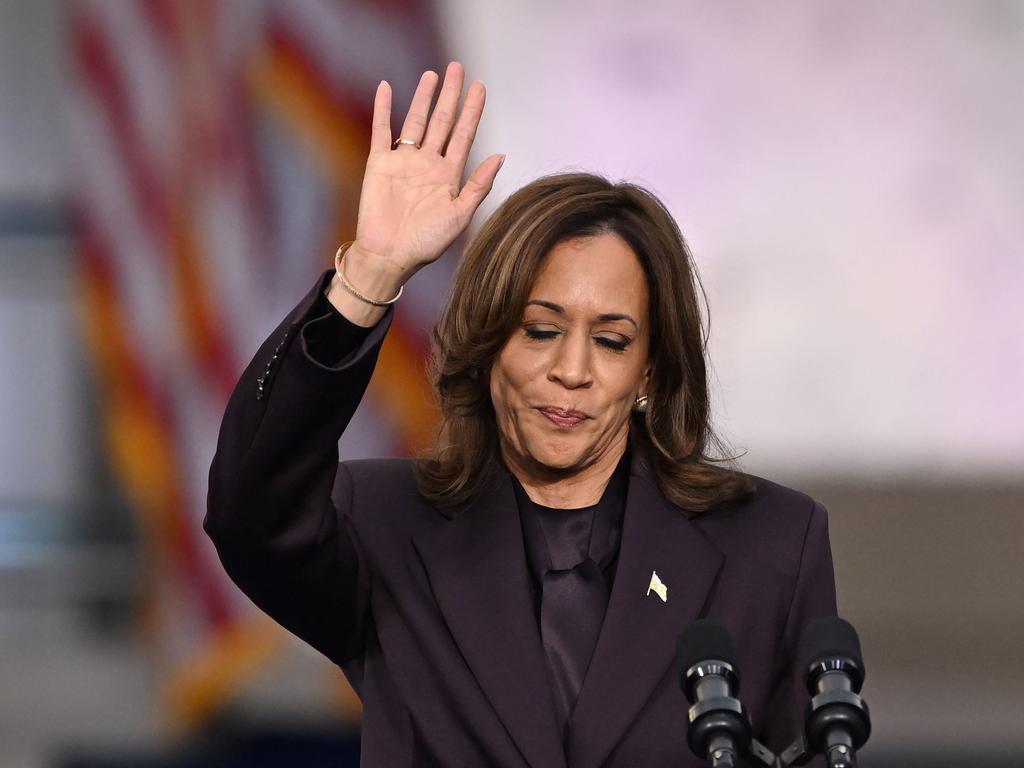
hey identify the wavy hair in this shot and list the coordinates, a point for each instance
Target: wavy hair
(489, 295)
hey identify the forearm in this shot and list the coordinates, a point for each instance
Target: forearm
(270, 512)
(280, 430)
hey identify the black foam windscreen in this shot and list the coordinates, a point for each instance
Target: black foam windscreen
(704, 640)
(827, 638)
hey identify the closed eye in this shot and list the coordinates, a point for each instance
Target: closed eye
(543, 334)
(618, 345)
(537, 333)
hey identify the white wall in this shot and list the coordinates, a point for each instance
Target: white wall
(849, 177)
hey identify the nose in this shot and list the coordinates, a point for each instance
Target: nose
(571, 364)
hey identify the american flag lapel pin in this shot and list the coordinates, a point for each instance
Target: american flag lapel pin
(658, 587)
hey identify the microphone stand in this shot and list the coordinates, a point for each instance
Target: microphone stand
(798, 753)
(762, 756)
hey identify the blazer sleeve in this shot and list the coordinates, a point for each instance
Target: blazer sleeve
(814, 596)
(270, 512)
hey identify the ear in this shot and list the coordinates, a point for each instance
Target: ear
(643, 391)
(645, 380)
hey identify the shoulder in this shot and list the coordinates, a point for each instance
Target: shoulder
(384, 480)
(379, 470)
(775, 521)
(381, 493)
(770, 505)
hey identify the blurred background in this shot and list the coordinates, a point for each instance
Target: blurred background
(174, 175)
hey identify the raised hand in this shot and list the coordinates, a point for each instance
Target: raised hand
(413, 202)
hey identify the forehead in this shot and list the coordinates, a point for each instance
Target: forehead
(600, 274)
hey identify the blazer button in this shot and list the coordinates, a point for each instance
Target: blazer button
(262, 380)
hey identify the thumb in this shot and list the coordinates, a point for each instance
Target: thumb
(477, 186)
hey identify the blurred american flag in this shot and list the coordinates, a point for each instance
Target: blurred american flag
(218, 152)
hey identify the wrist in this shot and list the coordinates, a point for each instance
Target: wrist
(362, 287)
(351, 308)
(372, 273)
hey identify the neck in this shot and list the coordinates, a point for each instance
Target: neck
(566, 488)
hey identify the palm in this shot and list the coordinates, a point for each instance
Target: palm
(407, 206)
(413, 204)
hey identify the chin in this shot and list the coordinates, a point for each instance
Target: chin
(559, 458)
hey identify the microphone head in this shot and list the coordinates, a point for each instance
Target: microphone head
(825, 642)
(704, 640)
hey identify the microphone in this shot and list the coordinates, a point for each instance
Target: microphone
(837, 722)
(719, 731)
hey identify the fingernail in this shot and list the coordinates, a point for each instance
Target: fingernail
(501, 162)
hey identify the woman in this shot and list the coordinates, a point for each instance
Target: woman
(515, 599)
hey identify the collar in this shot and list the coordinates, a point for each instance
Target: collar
(560, 539)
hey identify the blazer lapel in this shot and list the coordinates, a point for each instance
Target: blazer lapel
(638, 639)
(477, 569)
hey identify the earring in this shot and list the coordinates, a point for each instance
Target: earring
(640, 404)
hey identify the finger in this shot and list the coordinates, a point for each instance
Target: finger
(380, 133)
(465, 128)
(477, 187)
(416, 120)
(443, 116)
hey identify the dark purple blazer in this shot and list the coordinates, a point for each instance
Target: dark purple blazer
(430, 616)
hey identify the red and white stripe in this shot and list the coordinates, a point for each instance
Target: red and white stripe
(204, 212)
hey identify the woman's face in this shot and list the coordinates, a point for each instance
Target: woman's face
(565, 382)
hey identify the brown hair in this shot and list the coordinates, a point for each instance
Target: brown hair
(489, 294)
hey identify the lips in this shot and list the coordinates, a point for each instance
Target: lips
(562, 417)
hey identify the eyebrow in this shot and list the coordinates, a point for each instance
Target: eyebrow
(604, 318)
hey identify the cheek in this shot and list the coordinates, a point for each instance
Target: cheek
(511, 376)
(497, 388)
(623, 383)
(502, 387)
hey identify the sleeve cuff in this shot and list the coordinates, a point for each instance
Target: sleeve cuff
(330, 339)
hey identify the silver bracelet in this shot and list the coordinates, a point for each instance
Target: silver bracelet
(351, 289)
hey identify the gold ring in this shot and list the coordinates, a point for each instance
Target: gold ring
(410, 142)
